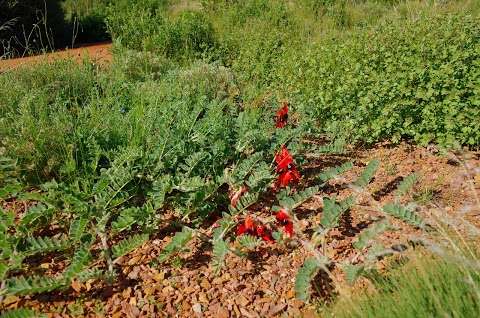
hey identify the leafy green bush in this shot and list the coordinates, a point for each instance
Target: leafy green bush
(147, 27)
(411, 80)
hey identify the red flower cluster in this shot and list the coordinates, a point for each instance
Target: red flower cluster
(251, 228)
(286, 168)
(282, 116)
(284, 219)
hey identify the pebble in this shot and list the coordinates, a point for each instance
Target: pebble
(197, 308)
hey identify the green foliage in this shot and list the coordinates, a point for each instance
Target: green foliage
(424, 287)
(249, 242)
(21, 313)
(178, 243)
(406, 185)
(304, 277)
(292, 202)
(404, 214)
(336, 147)
(242, 205)
(46, 244)
(79, 262)
(144, 27)
(367, 235)
(129, 244)
(220, 250)
(31, 285)
(331, 173)
(367, 174)
(353, 272)
(332, 211)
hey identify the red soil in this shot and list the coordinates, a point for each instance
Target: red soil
(99, 52)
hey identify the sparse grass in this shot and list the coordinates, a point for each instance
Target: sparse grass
(426, 286)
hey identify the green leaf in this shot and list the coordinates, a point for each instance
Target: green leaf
(367, 174)
(304, 277)
(79, 262)
(332, 210)
(244, 203)
(332, 173)
(178, 242)
(22, 313)
(353, 272)
(248, 241)
(220, 250)
(129, 244)
(336, 147)
(371, 233)
(407, 183)
(46, 244)
(77, 228)
(404, 214)
(299, 198)
(31, 285)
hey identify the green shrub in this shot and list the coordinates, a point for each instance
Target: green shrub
(147, 27)
(415, 80)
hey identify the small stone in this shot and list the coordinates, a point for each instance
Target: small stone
(197, 308)
(222, 313)
(205, 284)
(276, 309)
(202, 297)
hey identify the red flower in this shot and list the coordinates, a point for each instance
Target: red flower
(282, 216)
(263, 233)
(287, 177)
(282, 116)
(288, 228)
(247, 227)
(250, 228)
(283, 159)
(284, 219)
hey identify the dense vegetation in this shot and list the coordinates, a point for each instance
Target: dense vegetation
(184, 117)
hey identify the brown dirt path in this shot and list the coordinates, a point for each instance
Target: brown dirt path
(99, 52)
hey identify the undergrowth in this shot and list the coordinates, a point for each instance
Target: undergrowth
(187, 122)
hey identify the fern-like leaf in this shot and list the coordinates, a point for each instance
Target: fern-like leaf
(404, 214)
(21, 313)
(367, 174)
(248, 241)
(371, 233)
(244, 203)
(353, 272)
(77, 228)
(304, 277)
(79, 262)
(129, 244)
(178, 242)
(331, 173)
(46, 244)
(220, 250)
(336, 147)
(31, 285)
(333, 210)
(407, 183)
(298, 199)
(260, 176)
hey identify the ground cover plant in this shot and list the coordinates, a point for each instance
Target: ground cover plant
(218, 142)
